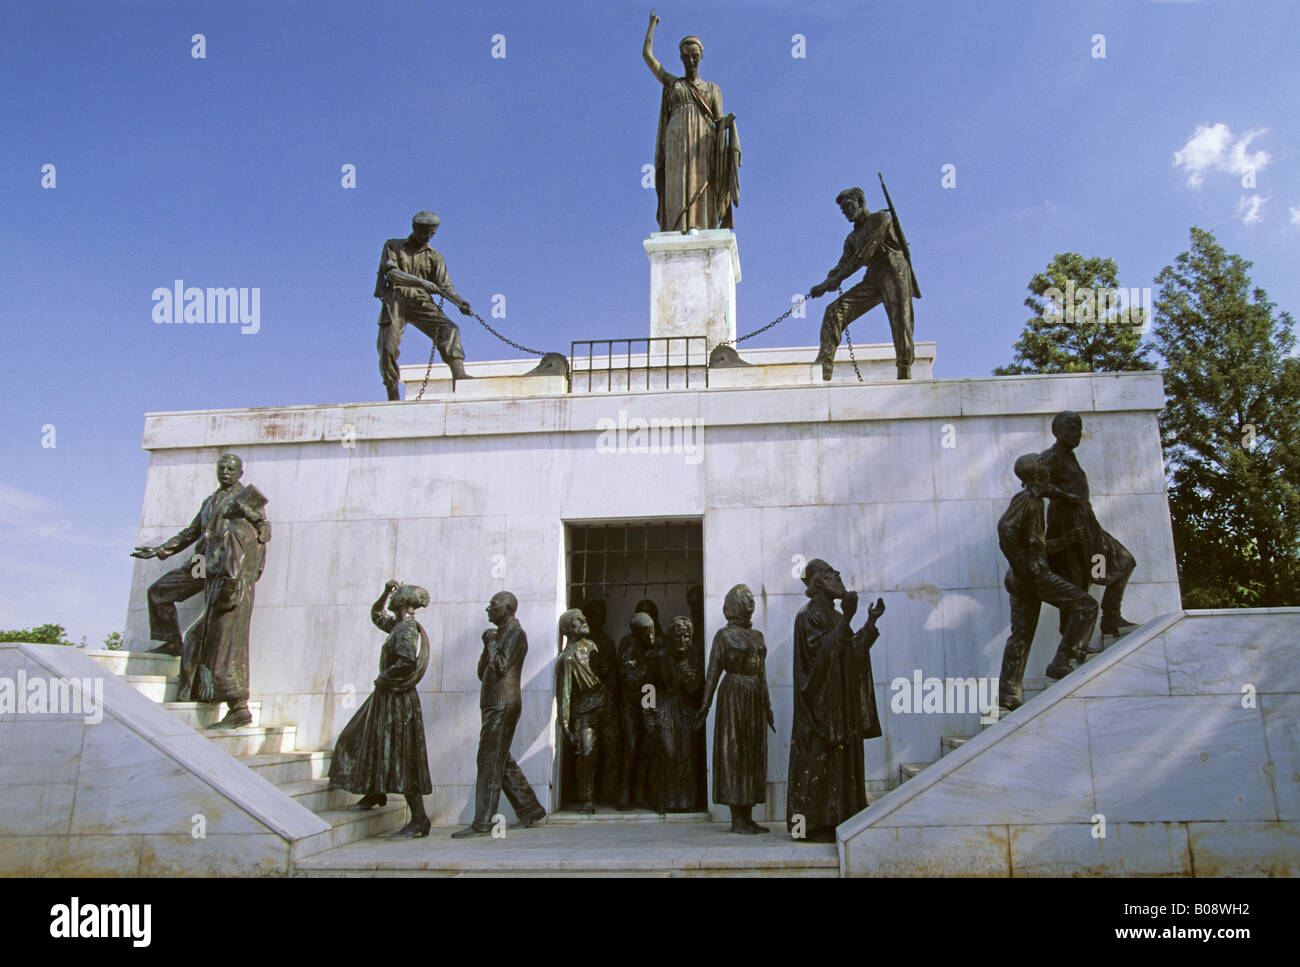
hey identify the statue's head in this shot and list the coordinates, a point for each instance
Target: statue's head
(852, 202)
(643, 626)
(692, 51)
(681, 631)
(820, 578)
(1067, 427)
(573, 624)
(1031, 470)
(424, 225)
(594, 609)
(739, 604)
(407, 597)
(502, 607)
(229, 469)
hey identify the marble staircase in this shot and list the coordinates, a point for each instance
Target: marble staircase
(270, 751)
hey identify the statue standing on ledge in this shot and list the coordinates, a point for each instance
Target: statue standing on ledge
(697, 149)
(875, 243)
(834, 707)
(678, 705)
(744, 710)
(500, 703)
(230, 532)
(381, 749)
(635, 720)
(1069, 508)
(1030, 582)
(582, 699)
(410, 273)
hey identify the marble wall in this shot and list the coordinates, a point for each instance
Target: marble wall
(1175, 754)
(899, 485)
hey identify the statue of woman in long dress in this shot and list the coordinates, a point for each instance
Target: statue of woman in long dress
(697, 150)
(382, 749)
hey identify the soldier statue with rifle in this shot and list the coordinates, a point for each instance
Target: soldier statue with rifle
(877, 244)
(410, 274)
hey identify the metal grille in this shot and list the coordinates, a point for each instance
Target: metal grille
(649, 555)
(587, 362)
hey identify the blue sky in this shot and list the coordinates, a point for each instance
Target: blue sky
(225, 171)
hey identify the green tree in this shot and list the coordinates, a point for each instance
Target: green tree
(1231, 431)
(114, 641)
(42, 635)
(1077, 326)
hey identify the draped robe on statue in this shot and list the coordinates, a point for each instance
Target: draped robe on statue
(834, 711)
(382, 748)
(214, 659)
(696, 158)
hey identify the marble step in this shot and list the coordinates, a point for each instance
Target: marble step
(318, 796)
(605, 814)
(156, 688)
(285, 768)
(951, 743)
(352, 826)
(202, 715)
(909, 770)
(137, 663)
(253, 740)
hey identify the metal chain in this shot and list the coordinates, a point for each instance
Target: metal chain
(781, 318)
(433, 350)
(853, 359)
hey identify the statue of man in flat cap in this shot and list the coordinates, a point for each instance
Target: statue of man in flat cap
(410, 274)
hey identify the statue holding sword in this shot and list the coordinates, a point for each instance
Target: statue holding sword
(877, 244)
(410, 274)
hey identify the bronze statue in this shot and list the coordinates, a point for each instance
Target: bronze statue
(636, 721)
(606, 667)
(674, 787)
(230, 532)
(834, 706)
(1069, 508)
(744, 708)
(875, 243)
(381, 749)
(500, 702)
(582, 699)
(697, 148)
(410, 273)
(1030, 582)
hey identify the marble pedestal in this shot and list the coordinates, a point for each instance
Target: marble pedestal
(693, 284)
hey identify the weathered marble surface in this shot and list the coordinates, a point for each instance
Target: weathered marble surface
(470, 496)
(120, 796)
(1191, 775)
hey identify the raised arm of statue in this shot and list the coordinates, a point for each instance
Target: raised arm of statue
(647, 52)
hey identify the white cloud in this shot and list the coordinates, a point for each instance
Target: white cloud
(1295, 216)
(25, 516)
(1213, 147)
(1249, 207)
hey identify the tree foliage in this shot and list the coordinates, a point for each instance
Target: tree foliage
(41, 635)
(1231, 431)
(1082, 332)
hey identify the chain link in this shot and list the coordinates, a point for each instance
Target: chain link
(433, 350)
(781, 318)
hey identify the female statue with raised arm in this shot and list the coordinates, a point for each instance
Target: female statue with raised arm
(697, 150)
(382, 749)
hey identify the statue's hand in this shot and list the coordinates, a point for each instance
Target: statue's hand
(819, 290)
(849, 604)
(771, 721)
(876, 610)
(144, 552)
(568, 734)
(391, 585)
(465, 310)
(654, 20)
